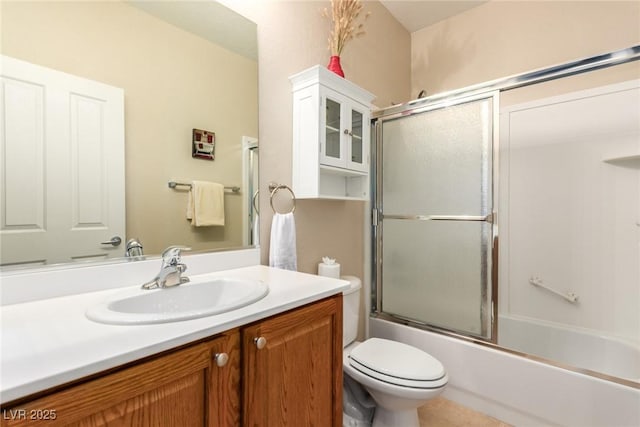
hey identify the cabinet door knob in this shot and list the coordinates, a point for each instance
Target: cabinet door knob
(348, 132)
(260, 342)
(221, 359)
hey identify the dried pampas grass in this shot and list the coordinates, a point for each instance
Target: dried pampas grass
(344, 14)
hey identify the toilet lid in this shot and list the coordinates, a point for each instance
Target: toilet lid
(397, 363)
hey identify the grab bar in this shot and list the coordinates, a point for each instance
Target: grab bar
(569, 296)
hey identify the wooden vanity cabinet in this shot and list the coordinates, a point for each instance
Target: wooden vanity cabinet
(183, 388)
(177, 389)
(295, 379)
(292, 368)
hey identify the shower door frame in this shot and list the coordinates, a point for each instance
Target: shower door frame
(489, 281)
(579, 66)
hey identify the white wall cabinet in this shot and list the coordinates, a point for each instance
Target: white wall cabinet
(331, 136)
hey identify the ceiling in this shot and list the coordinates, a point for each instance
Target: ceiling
(210, 20)
(417, 14)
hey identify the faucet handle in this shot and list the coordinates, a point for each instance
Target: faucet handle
(171, 255)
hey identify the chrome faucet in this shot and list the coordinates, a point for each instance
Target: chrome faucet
(133, 249)
(171, 270)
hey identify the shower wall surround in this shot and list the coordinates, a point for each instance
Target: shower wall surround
(570, 208)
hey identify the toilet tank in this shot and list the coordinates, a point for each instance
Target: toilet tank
(351, 310)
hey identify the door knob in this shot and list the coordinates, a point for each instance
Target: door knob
(115, 241)
(221, 359)
(260, 342)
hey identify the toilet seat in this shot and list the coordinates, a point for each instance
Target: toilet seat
(398, 364)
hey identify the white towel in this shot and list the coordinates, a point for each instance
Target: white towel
(205, 205)
(282, 249)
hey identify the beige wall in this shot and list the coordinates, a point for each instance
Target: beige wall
(292, 36)
(467, 49)
(501, 38)
(173, 81)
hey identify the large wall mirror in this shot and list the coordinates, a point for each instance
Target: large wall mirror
(144, 74)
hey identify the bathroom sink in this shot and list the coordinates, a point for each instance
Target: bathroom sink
(198, 298)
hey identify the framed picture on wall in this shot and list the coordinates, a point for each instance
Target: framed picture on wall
(203, 144)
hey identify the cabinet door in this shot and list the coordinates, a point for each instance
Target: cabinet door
(295, 379)
(333, 120)
(167, 391)
(357, 141)
(224, 381)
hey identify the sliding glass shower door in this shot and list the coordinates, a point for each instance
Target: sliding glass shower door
(434, 206)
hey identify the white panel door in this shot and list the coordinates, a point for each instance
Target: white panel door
(62, 166)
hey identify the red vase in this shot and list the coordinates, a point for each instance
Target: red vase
(334, 65)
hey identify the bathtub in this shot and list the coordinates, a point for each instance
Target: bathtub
(577, 347)
(516, 389)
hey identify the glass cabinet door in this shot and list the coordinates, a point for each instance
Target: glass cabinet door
(345, 133)
(358, 158)
(333, 152)
(332, 129)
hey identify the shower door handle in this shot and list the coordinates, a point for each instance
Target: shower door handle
(482, 218)
(486, 218)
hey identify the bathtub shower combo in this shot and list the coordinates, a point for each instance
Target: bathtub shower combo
(507, 214)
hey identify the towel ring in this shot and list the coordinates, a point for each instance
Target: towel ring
(274, 189)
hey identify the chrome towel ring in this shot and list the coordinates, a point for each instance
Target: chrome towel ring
(273, 187)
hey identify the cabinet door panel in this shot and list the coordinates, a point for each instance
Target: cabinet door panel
(358, 138)
(179, 403)
(167, 391)
(296, 379)
(333, 147)
(224, 384)
(334, 119)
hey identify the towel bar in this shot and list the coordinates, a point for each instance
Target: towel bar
(174, 184)
(273, 187)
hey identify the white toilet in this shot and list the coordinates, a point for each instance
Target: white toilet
(399, 377)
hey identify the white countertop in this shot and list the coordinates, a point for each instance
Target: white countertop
(50, 342)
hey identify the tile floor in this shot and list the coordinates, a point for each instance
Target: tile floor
(440, 412)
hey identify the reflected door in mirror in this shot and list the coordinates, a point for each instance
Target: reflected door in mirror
(62, 164)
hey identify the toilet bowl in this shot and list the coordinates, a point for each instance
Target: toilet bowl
(399, 377)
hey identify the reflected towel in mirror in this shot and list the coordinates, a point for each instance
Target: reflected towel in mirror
(282, 248)
(205, 206)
